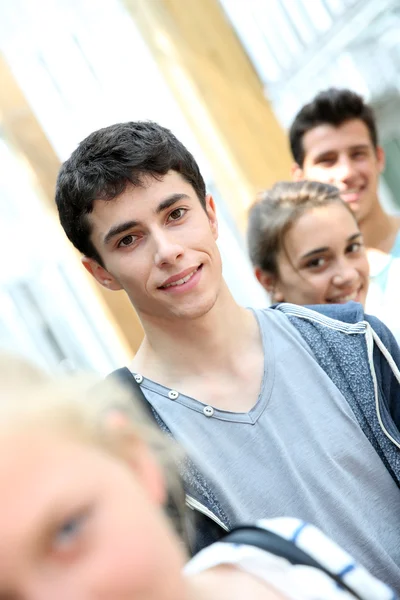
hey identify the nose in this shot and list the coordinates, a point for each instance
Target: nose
(346, 275)
(168, 250)
(345, 170)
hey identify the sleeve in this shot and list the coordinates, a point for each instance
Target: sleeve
(388, 384)
(387, 381)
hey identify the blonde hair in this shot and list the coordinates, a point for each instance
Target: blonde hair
(80, 406)
(77, 403)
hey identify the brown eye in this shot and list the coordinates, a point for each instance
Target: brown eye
(316, 263)
(177, 214)
(354, 247)
(128, 240)
(326, 160)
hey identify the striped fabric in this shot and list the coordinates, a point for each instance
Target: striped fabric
(297, 582)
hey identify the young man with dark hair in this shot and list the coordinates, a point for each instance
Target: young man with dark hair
(275, 407)
(334, 140)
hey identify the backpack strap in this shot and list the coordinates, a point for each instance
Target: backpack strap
(126, 378)
(251, 535)
(197, 529)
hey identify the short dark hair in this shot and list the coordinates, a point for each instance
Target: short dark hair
(333, 107)
(106, 162)
(276, 211)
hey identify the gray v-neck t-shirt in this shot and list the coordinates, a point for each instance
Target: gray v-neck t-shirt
(298, 452)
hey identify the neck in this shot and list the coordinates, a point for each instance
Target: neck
(189, 346)
(379, 229)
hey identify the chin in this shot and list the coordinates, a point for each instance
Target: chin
(355, 207)
(191, 312)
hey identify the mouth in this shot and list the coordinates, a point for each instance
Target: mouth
(352, 195)
(182, 280)
(353, 296)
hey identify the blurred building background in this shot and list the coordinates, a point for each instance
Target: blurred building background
(227, 76)
(299, 47)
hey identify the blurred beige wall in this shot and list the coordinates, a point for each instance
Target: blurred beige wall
(23, 131)
(219, 93)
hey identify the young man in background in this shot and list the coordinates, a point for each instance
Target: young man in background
(334, 140)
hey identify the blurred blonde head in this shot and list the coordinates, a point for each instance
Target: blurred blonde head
(86, 479)
(100, 412)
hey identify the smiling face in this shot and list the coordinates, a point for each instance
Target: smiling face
(78, 523)
(344, 156)
(159, 244)
(323, 260)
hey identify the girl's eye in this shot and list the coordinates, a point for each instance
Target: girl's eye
(177, 214)
(128, 240)
(354, 247)
(316, 262)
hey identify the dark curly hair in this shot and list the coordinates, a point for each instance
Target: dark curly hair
(106, 162)
(332, 107)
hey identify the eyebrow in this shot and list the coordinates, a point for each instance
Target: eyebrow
(168, 202)
(351, 238)
(118, 229)
(126, 225)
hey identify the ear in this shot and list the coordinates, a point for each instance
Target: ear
(212, 215)
(138, 456)
(100, 274)
(380, 155)
(297, 172)
(269, 283)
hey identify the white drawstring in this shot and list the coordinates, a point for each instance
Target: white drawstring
(371, 338)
